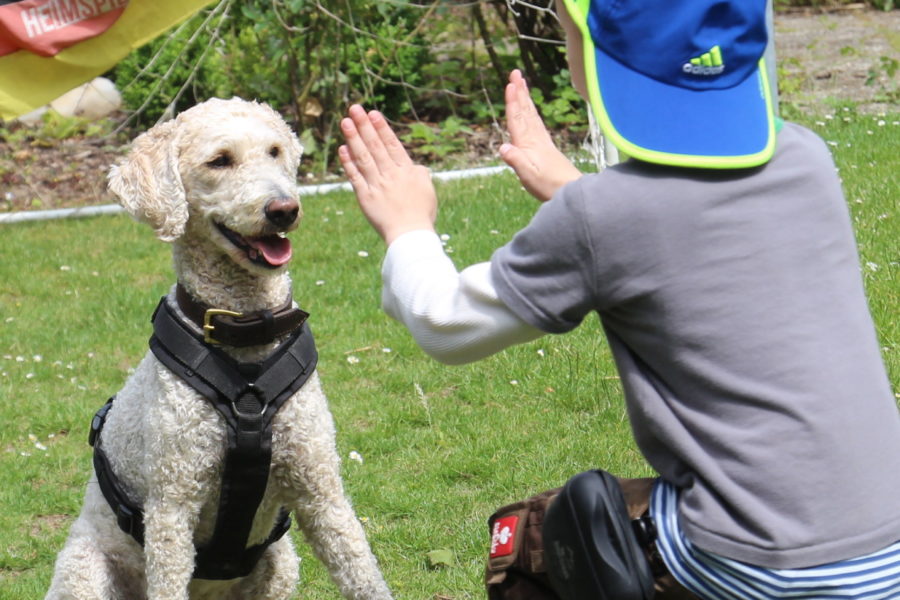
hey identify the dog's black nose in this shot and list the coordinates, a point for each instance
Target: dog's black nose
(282, 211)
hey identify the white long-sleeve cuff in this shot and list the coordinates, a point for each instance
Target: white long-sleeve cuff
(456, 317)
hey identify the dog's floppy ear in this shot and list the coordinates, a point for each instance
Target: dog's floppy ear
(148, 185)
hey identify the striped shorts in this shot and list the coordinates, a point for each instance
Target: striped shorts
(872, 577)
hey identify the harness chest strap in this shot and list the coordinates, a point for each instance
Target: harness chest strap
(248, 395)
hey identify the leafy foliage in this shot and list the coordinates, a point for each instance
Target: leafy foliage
(882, 74)
(429, 64)
(438, 142)
(151, 77)
(52, 128)
(565, 108)
(310, 60)
(425, 61)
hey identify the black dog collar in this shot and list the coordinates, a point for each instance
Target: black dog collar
(231, 328)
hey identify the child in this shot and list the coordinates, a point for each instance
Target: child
(722, 264)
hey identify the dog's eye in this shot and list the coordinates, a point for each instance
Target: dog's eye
(221, 161)
(274, 151)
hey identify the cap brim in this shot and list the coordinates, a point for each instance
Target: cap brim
(660, 123)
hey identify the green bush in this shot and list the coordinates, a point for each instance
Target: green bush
(418, 62)
(311, 64)
(151, 78)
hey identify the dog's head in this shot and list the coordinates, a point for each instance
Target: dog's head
(223, 171)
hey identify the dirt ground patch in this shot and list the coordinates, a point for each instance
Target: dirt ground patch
(845, 55)
(823, 58)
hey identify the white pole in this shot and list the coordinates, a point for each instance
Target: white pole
(60, 213)
(304, 190)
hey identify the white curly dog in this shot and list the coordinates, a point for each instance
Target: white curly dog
(218, 182)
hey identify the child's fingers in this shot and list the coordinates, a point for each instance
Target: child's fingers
(356, 179)
(523, 97)
(515, 117)
(521, 114)
(526, 104)
(358, 151)
(369, 136)
(389, 138)
(526, 128)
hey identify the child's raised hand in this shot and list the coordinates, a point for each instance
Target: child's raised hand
(395, 195)
(531, 153)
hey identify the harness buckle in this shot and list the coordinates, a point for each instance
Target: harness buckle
(208, 327)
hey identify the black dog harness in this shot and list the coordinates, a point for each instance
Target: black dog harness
(247, 395)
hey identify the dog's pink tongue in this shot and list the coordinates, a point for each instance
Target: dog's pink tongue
(276, 249)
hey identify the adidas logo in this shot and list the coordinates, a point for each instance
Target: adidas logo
(709, 63)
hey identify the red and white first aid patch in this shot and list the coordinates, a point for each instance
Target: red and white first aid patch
(503, 536)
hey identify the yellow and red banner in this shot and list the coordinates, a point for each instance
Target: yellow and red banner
(48, 47)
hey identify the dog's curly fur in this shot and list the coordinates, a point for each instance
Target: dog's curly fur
(218, 164)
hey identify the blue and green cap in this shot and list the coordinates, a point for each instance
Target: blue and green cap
(680, 82)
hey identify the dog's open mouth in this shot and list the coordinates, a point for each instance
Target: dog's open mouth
(270, 251)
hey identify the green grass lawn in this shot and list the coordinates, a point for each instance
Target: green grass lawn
(441, 447)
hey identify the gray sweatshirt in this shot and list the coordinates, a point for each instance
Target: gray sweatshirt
(734, 306)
